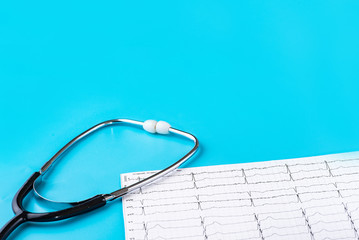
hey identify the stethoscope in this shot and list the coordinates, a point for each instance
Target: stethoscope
(84, 206)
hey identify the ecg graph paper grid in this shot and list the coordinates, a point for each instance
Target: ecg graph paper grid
(305, 198)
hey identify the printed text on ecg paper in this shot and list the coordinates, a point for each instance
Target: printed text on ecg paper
(312, 198)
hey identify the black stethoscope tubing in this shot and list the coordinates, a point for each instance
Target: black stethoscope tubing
(22, 216)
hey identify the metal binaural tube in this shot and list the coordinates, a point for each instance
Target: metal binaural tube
(123, 191)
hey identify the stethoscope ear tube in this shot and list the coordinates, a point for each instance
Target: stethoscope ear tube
(11, 225)
(20, 213)
(150, 126)
(22, 216)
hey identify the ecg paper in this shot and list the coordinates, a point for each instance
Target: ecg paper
(306, 198)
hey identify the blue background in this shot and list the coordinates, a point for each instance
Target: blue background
(254, 80)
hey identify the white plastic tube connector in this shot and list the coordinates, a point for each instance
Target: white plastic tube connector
(153, 126)
(162, 127)
(150, 126)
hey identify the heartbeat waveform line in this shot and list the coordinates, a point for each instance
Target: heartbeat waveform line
(199, 207)
(263, 229)
(254, 183)
(199, 180)
(251, 198)
(256, 168)
(248, 199)
(248, 176)
(337, 182)
(253, 191)
(262, 220)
